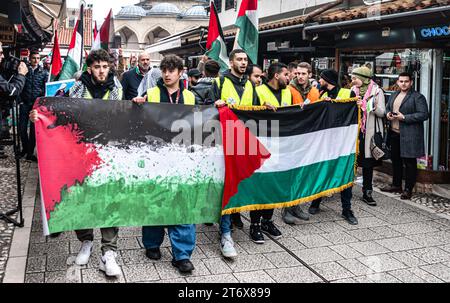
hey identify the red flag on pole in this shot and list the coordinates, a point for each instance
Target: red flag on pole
(56, 63)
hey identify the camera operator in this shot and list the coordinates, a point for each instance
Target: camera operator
(33, 89)
(9, 88)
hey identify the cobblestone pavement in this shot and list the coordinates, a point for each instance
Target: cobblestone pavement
(436, 203)
(8, 201)
(394, 242)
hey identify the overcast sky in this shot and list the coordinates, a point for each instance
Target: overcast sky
(101, 8)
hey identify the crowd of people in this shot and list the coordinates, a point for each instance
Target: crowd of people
(243, 84)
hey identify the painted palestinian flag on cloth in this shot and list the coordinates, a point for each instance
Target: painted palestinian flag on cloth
(114, 163)
(307, 154)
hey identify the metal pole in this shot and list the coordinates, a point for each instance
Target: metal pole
(438, 60)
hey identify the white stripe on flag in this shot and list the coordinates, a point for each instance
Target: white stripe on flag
(296, 151)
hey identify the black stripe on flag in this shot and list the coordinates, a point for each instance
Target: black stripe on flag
(296, 121)
(102, 121)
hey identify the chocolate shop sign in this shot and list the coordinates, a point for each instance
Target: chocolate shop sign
(433, 32)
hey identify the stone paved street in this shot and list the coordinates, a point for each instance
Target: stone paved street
(393, 242)
(8, 201)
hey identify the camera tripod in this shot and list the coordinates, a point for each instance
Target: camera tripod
(16, 147)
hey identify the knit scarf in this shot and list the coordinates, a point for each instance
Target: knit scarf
(364, 91)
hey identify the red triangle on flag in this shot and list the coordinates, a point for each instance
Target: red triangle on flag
(244, 153)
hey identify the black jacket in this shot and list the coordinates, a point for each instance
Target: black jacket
(415, 109)
(130, 83)
(12, 88)
(34, 85)
(202, 90)
(239, 86)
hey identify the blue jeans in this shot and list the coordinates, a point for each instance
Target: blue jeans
(225, 224)
(182, 238)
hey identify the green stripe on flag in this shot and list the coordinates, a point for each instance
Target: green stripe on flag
(155, 202)
(265, 189)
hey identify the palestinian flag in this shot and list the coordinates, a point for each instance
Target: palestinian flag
(217, 49)
(74, 60)
(307, 154)
(105, 35)
(247, 35)
(56, 63)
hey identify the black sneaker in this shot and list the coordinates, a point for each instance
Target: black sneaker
(349, 217)
(368, 199)
(255, 233)
(236, 220)
(184, 266)
(153, 253)
(269, 228)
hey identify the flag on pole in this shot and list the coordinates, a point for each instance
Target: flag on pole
(56, 63)
(247, 35)
(74, 60)
(95, 30)
(103, 39)
(217, 49)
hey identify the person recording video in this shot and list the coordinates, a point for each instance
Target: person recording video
(9, 88)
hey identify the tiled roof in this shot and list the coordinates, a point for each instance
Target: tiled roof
(358, 12)
(65, 34)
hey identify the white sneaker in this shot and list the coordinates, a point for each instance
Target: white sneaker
(227, 246)
(84, 253)
(108, 264)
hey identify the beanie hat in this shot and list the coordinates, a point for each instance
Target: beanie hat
(363, 73)
(330, 75)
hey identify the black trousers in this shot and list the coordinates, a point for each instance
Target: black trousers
(28, 139)
(398, 162)
(367, 178)
(255, 215)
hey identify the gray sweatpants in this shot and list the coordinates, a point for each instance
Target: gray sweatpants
(109, 237)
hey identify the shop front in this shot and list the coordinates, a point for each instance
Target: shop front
(417, 44)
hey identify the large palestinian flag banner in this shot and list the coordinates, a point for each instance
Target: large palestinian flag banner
(116, 163)
(308, 153)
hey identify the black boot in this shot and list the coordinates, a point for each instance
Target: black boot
(367, 198)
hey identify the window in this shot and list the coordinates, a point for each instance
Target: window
(218, 4)
(229, 4)
(71, 23)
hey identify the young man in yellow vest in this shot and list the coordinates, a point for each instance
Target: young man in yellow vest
(234, 87)
(272, 93)
(330, 89)
(97, 82)
(170, 89)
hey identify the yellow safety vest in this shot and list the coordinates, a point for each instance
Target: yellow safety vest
(154, 96)
(88, 95)
(265, 95)
(344, 93)
(230, 95)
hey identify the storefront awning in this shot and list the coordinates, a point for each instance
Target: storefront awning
(46, 11)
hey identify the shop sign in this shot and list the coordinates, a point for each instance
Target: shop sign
(433, 32)
(7, 33)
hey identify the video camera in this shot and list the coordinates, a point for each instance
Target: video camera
(9, 66)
